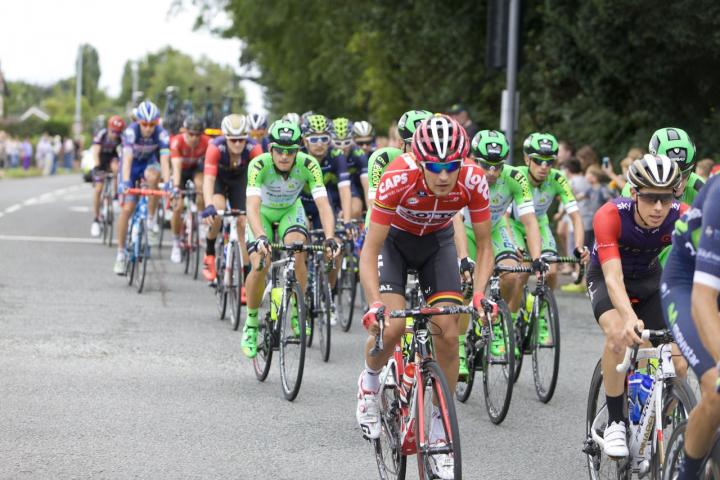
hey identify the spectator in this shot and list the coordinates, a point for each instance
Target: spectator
(595, 197)
(704, 167)
(617, 182)
(587, 157)
(13, 150)
(57, 149)
(68, 153)
(564, 231)
(635, 153)
(26, 150)
(44, 154)
(460, 113)
(3, 152)
(566, 150)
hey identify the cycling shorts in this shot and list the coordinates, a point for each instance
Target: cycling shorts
(290, 219)
(643, 293)
(137, 173)
(502, 243)
(547, 239)
(675, 294)
(433, 256)
(189, 174)
(106, 162)
(232, 186)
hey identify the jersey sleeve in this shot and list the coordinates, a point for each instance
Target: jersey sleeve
(314, 177)
(341, 169)
(176, 146)
(707, 262)
(256, 175)
(522, 193)
(363, 165)
(564, 190)
(607, 227)
(255, 151)
(212, 157)
(163, 141)
(479, 203)
(128, 140)
(97, 140)
(376, 165)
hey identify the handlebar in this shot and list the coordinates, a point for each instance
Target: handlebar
(230, 213)
(148, 192)
(661, 336)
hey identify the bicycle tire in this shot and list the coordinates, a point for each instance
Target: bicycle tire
(130, 259)
(347, 292)
(237, 281)
(545, 387)
(110, 219)
(160, 219)
(143, 257)
(390, 461)
(220, 291)
(266, 339)
(195, 242)
(324, 313)
(310, 320)
(186, 242)
(463, 389)
(291, 381)
(434, 385)
(497, 408)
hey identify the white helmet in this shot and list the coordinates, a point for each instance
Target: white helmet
(234, 126)
(292, 117)
(256, 121)
(363, 129)
(654, 171)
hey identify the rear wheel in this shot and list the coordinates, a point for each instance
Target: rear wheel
(220, 290)
(236, 282)
(498, 370)
(463, 388)
(195, 245)
(388, 453)
(347, 291)
(265, 337)
(143, 256)
(546, 349)
(292, 341)
(323, 312)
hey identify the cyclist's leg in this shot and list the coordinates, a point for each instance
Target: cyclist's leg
(152, 176)
(114, 168)
(255, 281)
(198, 181)
(236, 195)
(178, 206)
(505, 253)
(292, 229)
(128, 207)
(356, 200)
(97, 192)
(517, 231)
(220, 190)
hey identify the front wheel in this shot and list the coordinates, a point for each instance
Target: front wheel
(221, 295)
(499, 367)
(463, 388)
(388, 449)
(234, 288)
(142, 251)
(438, 435)
(323, 318)
(546, 346)
(265, 339)
(292, 341)
(347, 291)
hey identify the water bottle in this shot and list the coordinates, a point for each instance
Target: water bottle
(407, 382)
(635, 407)
(645, 390)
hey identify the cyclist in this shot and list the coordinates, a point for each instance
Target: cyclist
(225, 177)
(356, 164)
(624, 274)
(411, 227)
(382, 157)
(187, 151)
(689, 294)
(143, 141)
(275, 180)
(316, 137)
(507, 184)
(678, 146)
(105, 155)
(363, 135)
(258, 128)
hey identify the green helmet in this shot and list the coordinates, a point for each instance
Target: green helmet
(541, 145)
(409, 122)
(341, 128)
(676, 144)
(490, 146)
(316, 124)
(284, 134)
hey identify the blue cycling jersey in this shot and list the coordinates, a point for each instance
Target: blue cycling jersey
(145, 149)
(357, 163)
(335, 174)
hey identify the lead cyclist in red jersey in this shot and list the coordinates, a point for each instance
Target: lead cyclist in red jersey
(411, 227)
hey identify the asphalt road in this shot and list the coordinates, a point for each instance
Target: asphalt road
(97, 381)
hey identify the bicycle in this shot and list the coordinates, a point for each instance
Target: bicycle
(282, 321)
(406, 411)
(190, 240)
(710, 469)
(137, 245)
(229, 268)
(669, 402)
(348, 277)
(528, 335)
(318, 297)
(107, 212)
(498, 371)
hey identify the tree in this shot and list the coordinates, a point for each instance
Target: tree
(90, 73)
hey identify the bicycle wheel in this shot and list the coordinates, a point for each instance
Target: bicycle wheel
(143, 256)
(236, 282)
(347, 291)
(463, 389)
(265, 339)
(600, 466)
(130, 259)
(310, 319)
(323, 312)
(546, 355)
(195, 245)
(498, 371)
(292, 341)
(220, 290)
(186, 242)
(161, 214)
(109, 220)
(432, 386)
(388, 453)
(521, 329)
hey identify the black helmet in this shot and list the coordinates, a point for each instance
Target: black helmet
(193, 124)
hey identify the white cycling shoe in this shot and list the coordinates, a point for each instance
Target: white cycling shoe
(443, 464)
(615, 440)
(95, 229)
(368, 412)
(176, 253)
(119, 267)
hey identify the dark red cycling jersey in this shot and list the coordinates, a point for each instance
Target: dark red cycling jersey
(190, 157)
(404, 201)
(218, 157)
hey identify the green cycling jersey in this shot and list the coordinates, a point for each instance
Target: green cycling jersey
(377, 163)
(694, 184)
(279, 190)
(511, 186)
(556, 184)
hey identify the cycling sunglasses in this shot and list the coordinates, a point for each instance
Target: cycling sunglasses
(490, 166)
(318, 139)
(543, 161)
(236, 140)
(285, 150)
(653, 198)
(365, 143)
(148, 124)
(342, 143)
(437, 167)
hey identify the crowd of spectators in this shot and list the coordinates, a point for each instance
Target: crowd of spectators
(49, 153)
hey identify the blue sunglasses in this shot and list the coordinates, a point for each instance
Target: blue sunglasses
(437, 167)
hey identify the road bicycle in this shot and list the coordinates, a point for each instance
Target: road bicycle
(710, 468)
(229, 268)
(190, 231)
(107, 212)
(668, 404)
(319, 300)
(348, 276)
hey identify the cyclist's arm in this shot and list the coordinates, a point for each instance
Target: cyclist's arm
(128, 140)
(165, 166)
(461, 243)
(532, 231)
(344, 187)
(369, 275)
(208, 188)
(705, 316)
(176, 159)
(706, 280)
(253, 213)
(96, 154)
(327, 217)
(578, 229)
(210, 171)
(366, 188)
(484, 260)
(564, 190)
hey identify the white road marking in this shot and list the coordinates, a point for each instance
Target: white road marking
(80, 209)
(30, 238)
(13, 208)
(43, 198)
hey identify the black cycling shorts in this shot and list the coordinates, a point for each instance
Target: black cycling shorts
(232, 186)
(189, 174)
(433, 256)
(106, 162)
(643, 293)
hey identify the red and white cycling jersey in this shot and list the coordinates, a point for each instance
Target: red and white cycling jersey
(404, 201)
(190, 157)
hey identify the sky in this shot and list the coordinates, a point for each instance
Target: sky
(119, 31)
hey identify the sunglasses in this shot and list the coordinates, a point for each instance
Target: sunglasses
(342, 143)
(437, 167)
(284, 150)
(318, 139)
(653, 198)
(543, 162)
(148, 124)
(193, 134)
(364, 143)
(490, 166)
(237, 140)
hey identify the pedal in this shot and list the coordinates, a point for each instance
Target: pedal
(590, 447)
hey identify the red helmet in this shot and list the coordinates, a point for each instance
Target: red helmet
(116, 124)
(440, 139)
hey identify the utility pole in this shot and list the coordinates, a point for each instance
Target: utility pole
(77, 126)
(510, 97)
